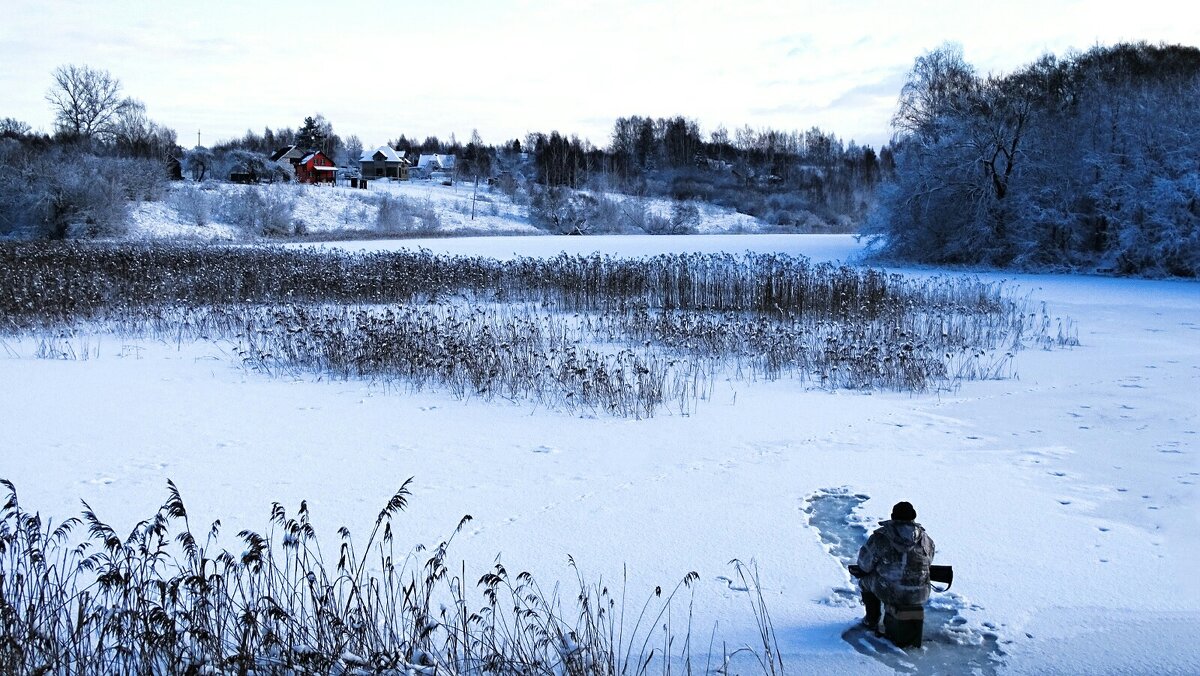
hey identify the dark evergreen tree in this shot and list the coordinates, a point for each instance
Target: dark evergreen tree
(310, 135)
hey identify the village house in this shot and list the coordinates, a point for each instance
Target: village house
(287, 157)
(384, 162)
(316, 168)
(434, 162)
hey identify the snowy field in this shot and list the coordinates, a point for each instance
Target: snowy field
(326, 209)
(193, 211)
(1065, 499)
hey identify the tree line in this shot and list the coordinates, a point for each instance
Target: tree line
(1088, 161)
(786, 178)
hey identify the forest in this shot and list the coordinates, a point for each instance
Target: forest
(1087, 162)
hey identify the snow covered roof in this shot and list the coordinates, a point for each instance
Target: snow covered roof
(389, 154)
(436, 161)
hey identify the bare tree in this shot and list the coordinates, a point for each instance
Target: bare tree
(939, 88)
(130, 126)
(136, 135)
(1001, 114)
(86, 100)
(353, 149)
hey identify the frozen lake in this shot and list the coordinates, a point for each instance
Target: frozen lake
(831, 248)
(1066, 498)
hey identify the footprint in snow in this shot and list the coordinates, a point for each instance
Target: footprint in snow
(734, 586)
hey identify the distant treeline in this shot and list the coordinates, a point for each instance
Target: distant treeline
(1087, 161)
(787, 178)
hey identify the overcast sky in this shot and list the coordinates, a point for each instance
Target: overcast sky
(508, 67)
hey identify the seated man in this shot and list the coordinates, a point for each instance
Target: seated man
(895, 562)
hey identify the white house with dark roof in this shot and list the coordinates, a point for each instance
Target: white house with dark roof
(384, 162)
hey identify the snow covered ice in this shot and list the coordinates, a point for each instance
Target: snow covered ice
(1065, 498)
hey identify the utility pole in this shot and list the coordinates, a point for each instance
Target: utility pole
(474, 196)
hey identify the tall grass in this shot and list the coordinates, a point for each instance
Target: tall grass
(621, 336)
(72, 281)
(79, 598)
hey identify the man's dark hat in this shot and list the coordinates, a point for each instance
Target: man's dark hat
(903, 511)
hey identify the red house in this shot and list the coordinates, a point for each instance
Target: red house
(316, 168)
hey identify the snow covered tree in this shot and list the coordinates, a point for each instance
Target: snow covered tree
(1086, 161)
(199, 162)
(13, 127)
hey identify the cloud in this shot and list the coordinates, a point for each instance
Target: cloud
(888, 87)
(796, 45)
(507, 67)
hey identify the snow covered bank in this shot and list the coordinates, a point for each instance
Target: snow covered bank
(200, 211)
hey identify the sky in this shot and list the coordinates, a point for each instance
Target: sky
(510, 67)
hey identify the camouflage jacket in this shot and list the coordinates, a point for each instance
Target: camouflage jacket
(896, 559)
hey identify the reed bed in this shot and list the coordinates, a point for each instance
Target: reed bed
(78, 598)
(626, 337)
(68, 281)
